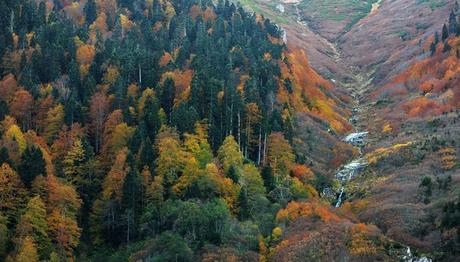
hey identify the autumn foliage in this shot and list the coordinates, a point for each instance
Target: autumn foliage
(295, 210)
(428, 87)
(310, 91)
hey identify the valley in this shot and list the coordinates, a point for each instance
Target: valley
(364, 54)
(225, 130)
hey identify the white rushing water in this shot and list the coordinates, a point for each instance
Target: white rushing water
(348, 172)
(356, 139)
(409, 257)
(339, 199)
(352, 169)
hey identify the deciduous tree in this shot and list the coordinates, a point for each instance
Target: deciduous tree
(12, 193)
(73, 164)
(33, 224)
(99, 106)
(280, 156)
(197, 144)
(27, 251)
(21, 107)
(54, 122)
(170, 161)
(65, 231)
(229, 154)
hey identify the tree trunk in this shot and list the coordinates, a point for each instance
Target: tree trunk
(265, 151)
(140, 76)
(239, 129)
(12, 22)
(259, 146)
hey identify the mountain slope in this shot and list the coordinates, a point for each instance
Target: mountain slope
(407, 99)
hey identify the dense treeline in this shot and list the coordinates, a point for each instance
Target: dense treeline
(149, 128)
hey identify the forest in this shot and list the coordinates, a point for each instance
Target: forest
(198, 130)
(145, 130)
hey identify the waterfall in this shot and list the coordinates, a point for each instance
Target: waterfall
(339, 199)
(409, 257)
(356, 139)
(347, 173)
(352, 169)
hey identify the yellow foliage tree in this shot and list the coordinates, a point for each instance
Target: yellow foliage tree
(72, 163)
(111, 75)
(27, 251)
(12, 191)
(113, 182)
(126, 24)
(171, 159)
(229, 154)
(120, 137)
(280, 155)
(14, 133)
(54, 122)
(361, 244)
(197, 145)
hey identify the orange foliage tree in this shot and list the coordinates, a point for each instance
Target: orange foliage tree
(99, 107)
(307, 94)
(65, 231)
(21, 107)
(8, 86)
(85, 55)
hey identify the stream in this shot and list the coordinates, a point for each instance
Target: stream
(349, 171)
(409, 257)
(352, 169)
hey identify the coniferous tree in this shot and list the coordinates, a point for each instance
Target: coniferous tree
(452, 23)
(168, 93)
(445, 33)
(446, 47)
(90, 11)
(32, 165)
(33, 223)
(151, 117)
(131, 203)
(147, 155)
(4, 157)
(4, 239)
(269, 179)
(41, 15)
(233, 174)
(243, 204)
(434, 44)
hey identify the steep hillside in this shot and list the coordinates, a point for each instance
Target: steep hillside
(332, 18)
(389, 39)
(322, 54)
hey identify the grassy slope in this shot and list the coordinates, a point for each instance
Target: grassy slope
(265, 8)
